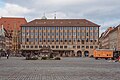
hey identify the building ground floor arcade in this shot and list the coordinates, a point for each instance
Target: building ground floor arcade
(61, 53)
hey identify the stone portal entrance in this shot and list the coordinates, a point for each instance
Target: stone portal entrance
(86, 53)
(79, 54)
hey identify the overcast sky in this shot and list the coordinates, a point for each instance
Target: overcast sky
(103, 12)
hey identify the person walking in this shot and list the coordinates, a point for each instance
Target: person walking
(7, 56)
(0, 55)
(8, 53)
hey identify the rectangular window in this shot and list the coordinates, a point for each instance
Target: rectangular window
(91, 40)
(27, 40)
(87, 47)
(87, 40)
(52, 39)
(95, 28)
(27, 46)
(36, 46)
(61, 46)
(40, 28)
(48, 34)
(31, 28)
(91, 28)
(57, 46)
(44, 34)
(65, 28)
(65, 33)
(82, 41)
(87, 28)
(23, 46)
(32, 33)
(36, 39)
(23, 33)
(61, 39)
(48, 28)
(78, 39)
(31, 46)
(65, 39)
(95, 40)
(57, 28)
(82, 28)
(61, 28)
(61, 34)
(69, 39)
(82, 34)
(40, 46)
(56, 39)
(74, 39)
(65, 46)
(32, 39)
(83, 47)
(48, 39)
(40, 39)
(57, 34)
(23, 39)
(91, 47)
(36, 28)
(27, 33)
(96, 47)
(74, 28)
(74, 47)
(44, 28)
(44, 39)
(78, 33)
(78, 47)
(52, 28)
(95, 33)
(87, 34)
(36, 33)
(23, 28)
(52, 34)
(91, 34)
(40, 34)
(70, 28)
(52, 46)
(74, 34)
(78, 28)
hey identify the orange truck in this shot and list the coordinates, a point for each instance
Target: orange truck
(105, 53)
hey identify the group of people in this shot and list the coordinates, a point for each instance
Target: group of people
(7, 53)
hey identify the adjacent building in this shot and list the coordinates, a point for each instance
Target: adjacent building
(4, 39)
(114, 36)
(110, 39)
(104, 39)
(12, 26)
(67, 37)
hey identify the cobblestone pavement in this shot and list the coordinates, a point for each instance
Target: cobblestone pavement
(65, 69)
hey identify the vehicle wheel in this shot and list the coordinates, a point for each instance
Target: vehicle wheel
(96, 58)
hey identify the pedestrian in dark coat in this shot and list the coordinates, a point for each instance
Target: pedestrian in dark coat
(8, 53)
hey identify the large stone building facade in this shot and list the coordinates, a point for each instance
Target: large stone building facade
(110, 39)
(67, 37)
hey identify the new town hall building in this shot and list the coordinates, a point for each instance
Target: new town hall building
(66, 37)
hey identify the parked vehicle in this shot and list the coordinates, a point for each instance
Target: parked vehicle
(106, 54)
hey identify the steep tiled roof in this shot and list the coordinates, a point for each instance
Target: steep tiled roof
(10, 22)
(61, 22)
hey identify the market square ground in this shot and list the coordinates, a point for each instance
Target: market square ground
(16, 68)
